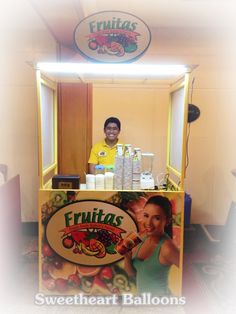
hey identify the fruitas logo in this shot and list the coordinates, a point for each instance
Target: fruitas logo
(112, 36)
(87, 232)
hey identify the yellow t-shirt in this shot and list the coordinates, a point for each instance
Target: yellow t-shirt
(102, 154)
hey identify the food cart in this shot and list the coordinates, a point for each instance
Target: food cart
(79, 229)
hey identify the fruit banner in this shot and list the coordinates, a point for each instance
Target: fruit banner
(85, 236)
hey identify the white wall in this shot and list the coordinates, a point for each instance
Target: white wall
(23, 39)
(143, 112)
(212, 148)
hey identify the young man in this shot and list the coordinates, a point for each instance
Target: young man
(103, 153)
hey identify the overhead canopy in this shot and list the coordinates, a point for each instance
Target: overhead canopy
(114, 73)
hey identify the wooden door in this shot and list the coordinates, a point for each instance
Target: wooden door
(74, 128)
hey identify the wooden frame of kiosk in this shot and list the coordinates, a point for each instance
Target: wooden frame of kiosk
(79, 230)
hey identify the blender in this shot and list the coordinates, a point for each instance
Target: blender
(146, 180)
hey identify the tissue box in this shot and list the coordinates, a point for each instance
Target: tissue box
(65, 181)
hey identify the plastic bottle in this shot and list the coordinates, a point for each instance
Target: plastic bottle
(99, 169)
(109, 168)
(100, 181)
(90, 181)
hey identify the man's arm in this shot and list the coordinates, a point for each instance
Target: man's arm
(93, 160)
(92, 168)
(128, 265)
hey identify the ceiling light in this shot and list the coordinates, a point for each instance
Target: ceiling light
(113, 69)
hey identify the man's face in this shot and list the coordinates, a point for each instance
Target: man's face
(111, 131)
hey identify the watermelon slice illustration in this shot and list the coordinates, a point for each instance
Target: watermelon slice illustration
(80, 237)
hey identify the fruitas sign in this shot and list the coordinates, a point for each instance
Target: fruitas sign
(87, 232)
(112, 36)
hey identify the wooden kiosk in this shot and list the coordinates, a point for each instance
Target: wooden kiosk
(79, 229)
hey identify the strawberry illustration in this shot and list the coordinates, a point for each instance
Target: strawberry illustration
(68, 242)
(47, 251)
(106, 274)
(49, 284)
(61, 284)
(74, 281)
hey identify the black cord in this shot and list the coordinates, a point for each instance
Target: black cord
(187, 141)
(188, 131)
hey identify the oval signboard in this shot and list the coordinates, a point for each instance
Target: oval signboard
(112, 37)
(87, 232)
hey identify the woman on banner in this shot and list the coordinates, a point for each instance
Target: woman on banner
(151, 260)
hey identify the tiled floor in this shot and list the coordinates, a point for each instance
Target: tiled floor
(209, 277)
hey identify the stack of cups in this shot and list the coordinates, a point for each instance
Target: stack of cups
(109, 180)
(100, 181)
(90, 181)
(118, 171)
(136, 169)
(127, 171)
